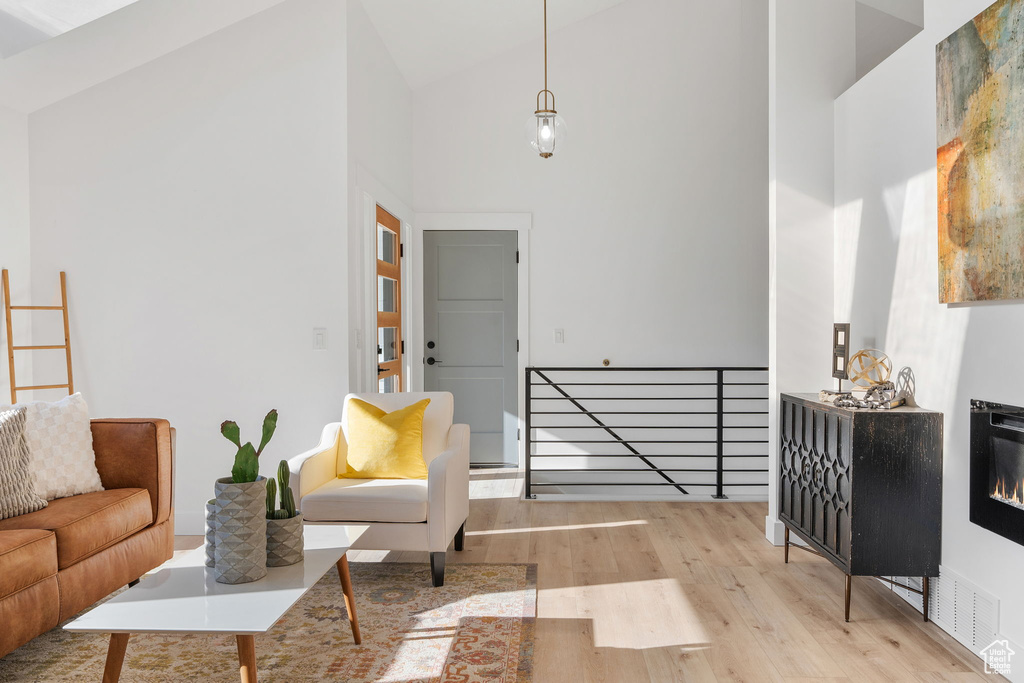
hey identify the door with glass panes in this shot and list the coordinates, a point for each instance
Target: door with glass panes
(389, 303)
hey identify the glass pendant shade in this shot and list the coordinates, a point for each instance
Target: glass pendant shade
(546, 132)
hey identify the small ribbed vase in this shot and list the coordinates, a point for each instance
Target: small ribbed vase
(211, 526)
(284, 541)
(240, 536)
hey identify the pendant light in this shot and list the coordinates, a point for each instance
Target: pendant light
(545, 130)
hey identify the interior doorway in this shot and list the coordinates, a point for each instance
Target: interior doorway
(470, 328)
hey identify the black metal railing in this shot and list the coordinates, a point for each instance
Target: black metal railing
(699, 431)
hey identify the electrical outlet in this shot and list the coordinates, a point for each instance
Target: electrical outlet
(559, 335)
(319, 338)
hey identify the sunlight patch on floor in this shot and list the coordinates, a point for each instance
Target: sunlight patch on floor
(562, 527)
(632, 615)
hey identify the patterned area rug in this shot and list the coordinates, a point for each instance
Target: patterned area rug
(477, 627)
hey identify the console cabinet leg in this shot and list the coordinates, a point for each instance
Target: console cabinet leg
(786, 544)
(849, 587)
(924, 594)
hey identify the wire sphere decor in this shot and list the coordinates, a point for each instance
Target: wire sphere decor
(870, 367)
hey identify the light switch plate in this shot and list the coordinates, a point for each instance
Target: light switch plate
(319, 338)
(559, 335)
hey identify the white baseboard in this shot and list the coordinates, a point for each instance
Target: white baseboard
(774, 531)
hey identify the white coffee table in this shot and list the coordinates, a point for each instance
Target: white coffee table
(184, 598)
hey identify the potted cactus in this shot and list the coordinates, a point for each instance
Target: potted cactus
(240, 525)
(284, 524)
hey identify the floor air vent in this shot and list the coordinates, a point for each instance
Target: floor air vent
(964, 611)
(957, 606)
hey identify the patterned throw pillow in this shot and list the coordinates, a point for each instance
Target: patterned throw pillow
(60, 447)
(17, 493)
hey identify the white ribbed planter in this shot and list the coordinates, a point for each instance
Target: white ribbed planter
(240, 536)
(284, 541)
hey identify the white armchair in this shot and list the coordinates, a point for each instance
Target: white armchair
(403, 514)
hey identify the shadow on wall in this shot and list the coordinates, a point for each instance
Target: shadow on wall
(886, 259)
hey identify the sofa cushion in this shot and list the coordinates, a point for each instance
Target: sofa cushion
(88, 523)
(367, 500)
(27, 556)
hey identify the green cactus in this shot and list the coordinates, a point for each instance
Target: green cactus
(287, 510)
(247, 464)
(229, 428)
(288, 503)
(269, 427)
(283, 477)
(271, 497)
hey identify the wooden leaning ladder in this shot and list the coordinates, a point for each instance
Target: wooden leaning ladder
(11, 348)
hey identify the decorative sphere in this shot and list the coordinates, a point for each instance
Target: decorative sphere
(869, 367)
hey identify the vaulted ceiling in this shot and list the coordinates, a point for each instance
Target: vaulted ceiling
(431, 39)
(26, 24)
(110, 44)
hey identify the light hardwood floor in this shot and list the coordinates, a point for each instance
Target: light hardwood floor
(660, 591)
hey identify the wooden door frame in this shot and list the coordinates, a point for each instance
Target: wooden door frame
(375, 194)
(521, 223)
(391, 319)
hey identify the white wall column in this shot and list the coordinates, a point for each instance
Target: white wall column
(812, 60)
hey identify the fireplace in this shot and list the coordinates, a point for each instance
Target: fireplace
(997, 469)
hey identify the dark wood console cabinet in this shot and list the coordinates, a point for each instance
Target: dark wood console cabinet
(863, 488)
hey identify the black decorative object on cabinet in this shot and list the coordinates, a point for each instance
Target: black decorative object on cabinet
(863, 488)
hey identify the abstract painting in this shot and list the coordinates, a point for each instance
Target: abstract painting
(980, 88)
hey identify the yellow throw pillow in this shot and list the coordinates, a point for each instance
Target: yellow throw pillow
(385, 445)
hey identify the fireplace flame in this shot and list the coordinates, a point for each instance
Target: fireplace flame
(1006, 492)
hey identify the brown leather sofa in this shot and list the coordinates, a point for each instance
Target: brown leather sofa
(57, 561)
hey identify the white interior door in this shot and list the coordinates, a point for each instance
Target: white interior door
(470, 308)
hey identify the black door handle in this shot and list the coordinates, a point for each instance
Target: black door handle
(432, 361)
(380, 370)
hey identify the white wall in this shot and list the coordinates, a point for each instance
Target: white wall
(813, 60)
(199, 205)
(649, 230)
(14, 240)
(887, 278)
(379, 163)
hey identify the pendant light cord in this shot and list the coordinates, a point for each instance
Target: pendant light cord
(545, 54)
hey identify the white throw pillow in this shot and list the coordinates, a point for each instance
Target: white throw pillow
(59, 440)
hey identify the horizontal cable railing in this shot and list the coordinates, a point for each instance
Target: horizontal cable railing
(684, 431)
